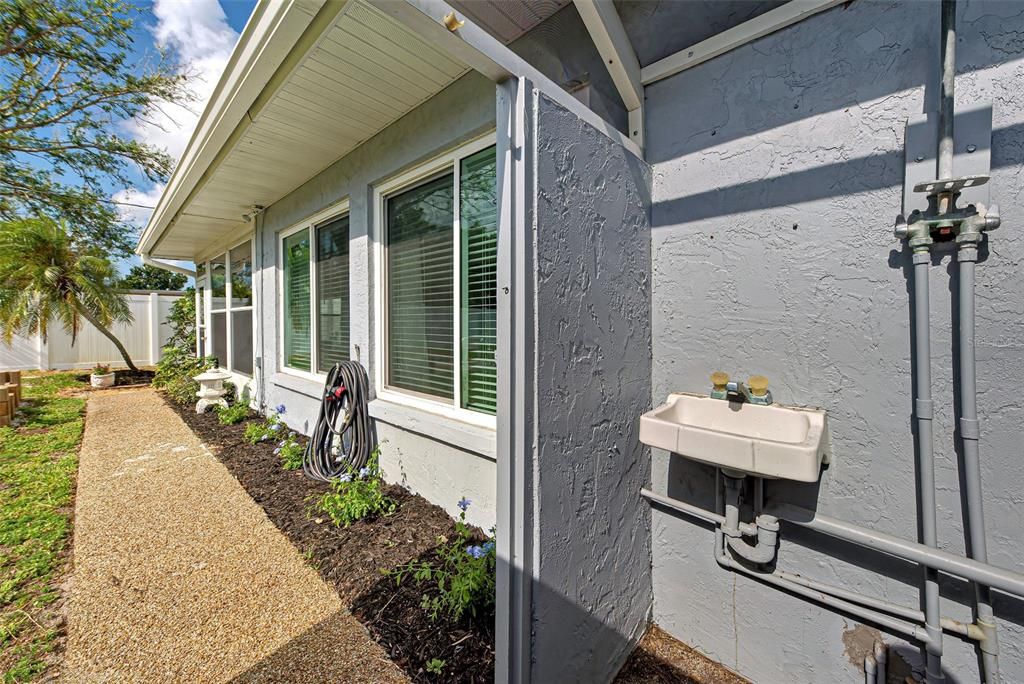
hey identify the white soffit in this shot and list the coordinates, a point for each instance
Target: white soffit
(363, 73)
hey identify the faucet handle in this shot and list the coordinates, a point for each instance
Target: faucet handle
(758, 385)
(719, 380)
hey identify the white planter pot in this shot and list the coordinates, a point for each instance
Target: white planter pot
(105, 380)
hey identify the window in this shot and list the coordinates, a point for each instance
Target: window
(440, 280)
(297, 328)
(332, 293)
(315, 293)
(225, 329)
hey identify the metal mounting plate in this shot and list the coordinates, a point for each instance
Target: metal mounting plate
(972, 129)
(950, 184)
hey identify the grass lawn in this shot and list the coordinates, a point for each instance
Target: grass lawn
(38, 462)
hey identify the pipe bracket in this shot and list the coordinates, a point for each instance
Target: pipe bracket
(924, 409)
(989, 642)
(970, 428)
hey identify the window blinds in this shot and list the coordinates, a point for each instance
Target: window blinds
(420, 281)
(296, 301)
(332, 255)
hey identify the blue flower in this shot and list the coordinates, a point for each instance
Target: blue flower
(488, 546)
(476, 551)
(345, 478)
(263, 438)
(280, 408)
(464, 504)
(275, 427)
(363, 472)
(277, 451)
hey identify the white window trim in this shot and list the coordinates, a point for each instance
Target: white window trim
(381, 192)
(206, 282)
(335, 211)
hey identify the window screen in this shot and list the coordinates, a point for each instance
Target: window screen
(241, 276)
(420, 289)
(332, 293)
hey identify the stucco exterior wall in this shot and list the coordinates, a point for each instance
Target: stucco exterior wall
(592, 590)
(414, 451)
(778, 171)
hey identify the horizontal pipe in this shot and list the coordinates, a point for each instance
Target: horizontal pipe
(695, 511)
(1005, 580)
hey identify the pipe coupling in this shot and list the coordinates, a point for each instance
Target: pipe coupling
(989, 642)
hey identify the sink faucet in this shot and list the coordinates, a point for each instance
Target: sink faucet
(754, 391)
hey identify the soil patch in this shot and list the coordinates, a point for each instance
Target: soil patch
(661, 659)
(352, 559)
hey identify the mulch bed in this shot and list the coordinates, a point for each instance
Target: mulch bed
(352, 559)
(661, 659)
(123, 378)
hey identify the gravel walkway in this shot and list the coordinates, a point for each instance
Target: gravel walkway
(180, 577)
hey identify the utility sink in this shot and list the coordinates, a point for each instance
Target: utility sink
(778, 442)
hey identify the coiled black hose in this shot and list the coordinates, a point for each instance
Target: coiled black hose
(342, 438)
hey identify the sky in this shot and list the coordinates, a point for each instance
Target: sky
(201, 35)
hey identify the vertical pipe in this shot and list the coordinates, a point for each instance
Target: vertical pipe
(926, 460)
(948, 36)
(969, 434)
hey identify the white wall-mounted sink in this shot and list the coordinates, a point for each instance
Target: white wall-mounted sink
(769, 441)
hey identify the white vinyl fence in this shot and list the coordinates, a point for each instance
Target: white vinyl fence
(143, 338)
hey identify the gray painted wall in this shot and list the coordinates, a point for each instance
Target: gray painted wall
(413, 453)
(592, 590)
(778, 170)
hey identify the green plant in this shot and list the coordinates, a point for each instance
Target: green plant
(436, 666)
(461, 574)
(175, 370)
(100, 369)
(357, 494)
(181, 319)
(290, 452)
(234, 414)
(268, 429)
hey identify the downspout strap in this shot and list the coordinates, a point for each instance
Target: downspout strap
(970, 428)
(923, 409)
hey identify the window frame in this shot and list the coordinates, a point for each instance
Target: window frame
(310, 223)
(206, 283)
(450, 161)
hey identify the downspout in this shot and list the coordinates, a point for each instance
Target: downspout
(149, 261)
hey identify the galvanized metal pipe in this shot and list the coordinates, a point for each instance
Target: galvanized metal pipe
(946, 104)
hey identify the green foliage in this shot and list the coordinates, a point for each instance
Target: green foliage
(175, 370)
(182, 321)
(146, 277)
(71, 77)
(100, 369)
(44, 277)
(436, 666)
(37, 469)
(268, 429)
(290, 452)
(234, 414)
(357, 495)
(461, 576)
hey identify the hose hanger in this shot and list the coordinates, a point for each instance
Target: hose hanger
(342, 438)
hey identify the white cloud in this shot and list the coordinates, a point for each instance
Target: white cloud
(198, 34)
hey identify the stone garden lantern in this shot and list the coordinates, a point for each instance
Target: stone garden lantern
(211, 389)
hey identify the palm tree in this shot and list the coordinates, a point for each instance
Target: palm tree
(45, 277)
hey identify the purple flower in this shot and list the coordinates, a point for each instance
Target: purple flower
(275, 427)
(345, 478)
(488, 546)
(263, 438)
(277, 451)
(363, 472)
(464, 504)
(280, 408)
(476, 551)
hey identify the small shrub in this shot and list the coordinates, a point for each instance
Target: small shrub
(436, 666)
(234, 414)
(462, 575)
(268, 429)
(290, 452)
(357, 495)
(100, 369)
(175, 370)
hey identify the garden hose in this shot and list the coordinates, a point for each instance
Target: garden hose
(342, 438)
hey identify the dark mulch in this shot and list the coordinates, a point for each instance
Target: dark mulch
(124, 378)
(351, 559)
(661, 659)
